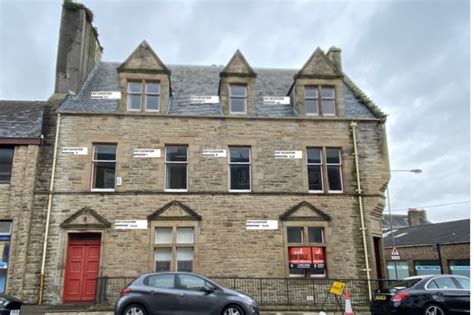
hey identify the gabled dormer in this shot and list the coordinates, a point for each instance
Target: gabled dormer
(144, 82)
(317, 91)
(237, 87)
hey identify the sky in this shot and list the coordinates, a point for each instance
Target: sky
(411, 57)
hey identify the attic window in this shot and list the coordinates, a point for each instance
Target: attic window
(320, 99)
(143, 96)
(238, 99)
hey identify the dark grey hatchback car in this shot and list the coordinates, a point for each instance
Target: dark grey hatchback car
(181, 293)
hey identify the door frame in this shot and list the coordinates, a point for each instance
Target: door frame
(63, 259)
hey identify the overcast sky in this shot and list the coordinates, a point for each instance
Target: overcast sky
(410, 57)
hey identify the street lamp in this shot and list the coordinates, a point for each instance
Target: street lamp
(415, 171)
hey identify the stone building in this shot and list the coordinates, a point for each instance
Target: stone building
(414, 217)
(20, 140)
(422, 246)
(224, 171)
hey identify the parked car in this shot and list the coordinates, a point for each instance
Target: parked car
(173, 293)
(9, 305)
(424, 295)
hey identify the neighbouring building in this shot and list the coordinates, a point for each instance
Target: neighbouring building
(224, 171)
(421, 247)
(412, 218)
(20, 141)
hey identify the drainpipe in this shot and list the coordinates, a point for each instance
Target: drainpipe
(353, 126)
(48, 213)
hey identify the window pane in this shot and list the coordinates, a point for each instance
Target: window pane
(334, 178)
(310, 92)
(176, 153)
(315, 235)
(176, 176)
(240, 176)
(185, 236)
(295, 235)
(189, 282)
(311, 106)
(237, 105)
(314, 156)
(134, 87)
(460, 267)
(427, 267)
(104, 152)
(134, 101)
(153, 88)
(163, 259)
(327, 92)
(104, 175)
(402, 269)
(6, 161)
(445, 283)
(238, 90)
(333, 156)
(165, 281)
(328, 107)
(239, 154)
(163, 235)
(297, 272)
(184, 257)
(465, 283)
(5, 227)
(315, 179)
(152, 102)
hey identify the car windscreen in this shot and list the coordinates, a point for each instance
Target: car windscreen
(404, 284)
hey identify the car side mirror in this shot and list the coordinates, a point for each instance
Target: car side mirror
(209, 290)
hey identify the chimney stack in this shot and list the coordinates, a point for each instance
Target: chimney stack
(334, 54)
(79, 49)
(416, 216)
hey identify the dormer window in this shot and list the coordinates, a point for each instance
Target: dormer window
(320, 99)
(238, 99)
(143, 96)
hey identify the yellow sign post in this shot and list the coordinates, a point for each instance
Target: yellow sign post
(337, 288)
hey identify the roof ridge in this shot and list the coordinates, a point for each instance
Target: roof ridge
(362, 97)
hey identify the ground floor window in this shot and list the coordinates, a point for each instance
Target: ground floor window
(401, 268)
(5, 234)
(306, 251)
(460, 267)
(427, 267)
(174, 248)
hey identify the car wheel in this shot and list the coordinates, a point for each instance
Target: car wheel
(233, 310)
(433, 309)
(135, 309)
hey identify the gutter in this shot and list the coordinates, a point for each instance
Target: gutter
(48, 213)
(363, 229)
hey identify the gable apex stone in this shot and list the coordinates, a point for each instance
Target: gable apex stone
(143, 59)
(319, 65)
(174, 210)
(238, 66)
(85, 218)
(304, 211)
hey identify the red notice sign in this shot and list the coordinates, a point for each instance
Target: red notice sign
(299, 255)
(318, 255)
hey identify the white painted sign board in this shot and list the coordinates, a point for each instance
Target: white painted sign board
(288, 154)
(262, 225)
(74, 151)
(395, 254)
(106, 95)
(146, 153)
(131, 224)
(204, 99)
(276, 100)
(214, 153)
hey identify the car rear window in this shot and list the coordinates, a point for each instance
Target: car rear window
(408, 283)
(464, 283)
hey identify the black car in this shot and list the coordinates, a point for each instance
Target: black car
(424, 295)
(176, 293)
(9, 305)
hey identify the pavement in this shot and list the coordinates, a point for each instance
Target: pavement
(105, 310)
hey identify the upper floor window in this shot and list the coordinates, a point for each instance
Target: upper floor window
(332, 165)
(103, 166)
(143, 96)
(6, 161)
(239, 169)
(334, 168)
(315, 169)
(238, 99)
(320, 99)
(176, 167)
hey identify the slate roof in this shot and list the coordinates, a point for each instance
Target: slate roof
(398, 221)
(21, 119)
(430, 234)
(204, 80)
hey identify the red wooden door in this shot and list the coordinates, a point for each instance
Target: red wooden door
(82, 267)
